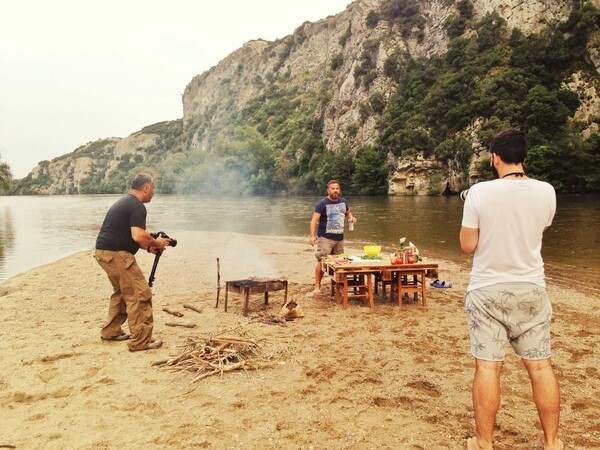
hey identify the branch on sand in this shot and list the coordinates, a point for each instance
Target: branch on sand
(207, 356)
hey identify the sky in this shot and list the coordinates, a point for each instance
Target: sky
(74, 71)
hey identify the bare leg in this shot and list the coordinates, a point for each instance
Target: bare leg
(486, 400)
(546, 395)
(318, 276)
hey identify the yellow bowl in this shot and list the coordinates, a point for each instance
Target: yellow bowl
(372, 250)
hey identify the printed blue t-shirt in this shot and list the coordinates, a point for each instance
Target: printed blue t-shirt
(331, 222)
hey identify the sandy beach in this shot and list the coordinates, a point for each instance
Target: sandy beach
(392, 378)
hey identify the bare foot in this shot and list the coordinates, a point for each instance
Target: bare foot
(472, 444)
(559, 446)
(315, 293)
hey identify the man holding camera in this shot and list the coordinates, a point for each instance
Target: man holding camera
(122, 234)
(506, 302)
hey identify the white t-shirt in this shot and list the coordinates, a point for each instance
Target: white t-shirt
(511, 216)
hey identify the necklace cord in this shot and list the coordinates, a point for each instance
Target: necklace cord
(517, 174)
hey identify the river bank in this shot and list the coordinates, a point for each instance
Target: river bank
(396, 378)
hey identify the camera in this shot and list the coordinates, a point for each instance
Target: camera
(164, 235)
(463, 195)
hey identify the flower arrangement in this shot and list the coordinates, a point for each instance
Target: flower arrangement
(406, 255)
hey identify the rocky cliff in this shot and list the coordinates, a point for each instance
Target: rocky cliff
(307, 54)
(332, 48)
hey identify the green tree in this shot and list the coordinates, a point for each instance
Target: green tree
(544, 111)
(490, 30)
(370, 172)
(6, 177)
(372, 19)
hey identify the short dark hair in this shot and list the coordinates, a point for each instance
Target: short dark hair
(330, 182)
(140, 180)
(510, 145)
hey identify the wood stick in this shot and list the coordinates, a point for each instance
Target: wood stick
(227, 367)
(160, 363)
(198, 309)
(181, 324)
(204, 375)
(172, 311)
(218, 282)
(219, 348)
(231, 340)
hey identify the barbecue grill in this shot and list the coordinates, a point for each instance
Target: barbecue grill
(252, 286)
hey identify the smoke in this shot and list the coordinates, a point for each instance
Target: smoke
(241, 259)
(218, 176)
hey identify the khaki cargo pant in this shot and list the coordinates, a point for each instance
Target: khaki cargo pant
(131, 299)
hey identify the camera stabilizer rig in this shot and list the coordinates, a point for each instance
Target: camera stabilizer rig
(173, 243)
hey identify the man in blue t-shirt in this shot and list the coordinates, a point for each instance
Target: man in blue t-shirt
(327, 227)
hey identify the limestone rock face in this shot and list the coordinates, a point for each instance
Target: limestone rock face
(65, 174)
(589, 108)
(413, 176)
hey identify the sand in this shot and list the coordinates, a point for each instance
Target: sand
(392, 378)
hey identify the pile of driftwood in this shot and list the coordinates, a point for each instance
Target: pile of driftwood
(207, 356)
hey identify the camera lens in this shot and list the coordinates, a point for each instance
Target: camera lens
(173, 242)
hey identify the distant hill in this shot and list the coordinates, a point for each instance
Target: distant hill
(394, 97)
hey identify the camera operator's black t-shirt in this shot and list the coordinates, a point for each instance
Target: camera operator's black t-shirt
(115, 233)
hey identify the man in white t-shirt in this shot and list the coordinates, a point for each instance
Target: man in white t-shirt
(506, 302)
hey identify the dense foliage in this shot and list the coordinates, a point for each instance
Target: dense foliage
(505, 79)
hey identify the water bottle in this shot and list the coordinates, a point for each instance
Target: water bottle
(351, 224)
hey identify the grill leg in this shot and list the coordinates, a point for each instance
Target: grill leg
(246, 299)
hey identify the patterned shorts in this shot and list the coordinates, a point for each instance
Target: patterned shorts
(326, 247)
(515, 313)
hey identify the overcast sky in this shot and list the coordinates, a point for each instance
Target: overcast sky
(74, 71)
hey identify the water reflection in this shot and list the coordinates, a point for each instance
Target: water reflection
(7, 237)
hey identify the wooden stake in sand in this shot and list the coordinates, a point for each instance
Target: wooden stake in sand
(218, 281)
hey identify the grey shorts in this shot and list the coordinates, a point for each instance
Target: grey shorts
(326, 247)
(515, 313)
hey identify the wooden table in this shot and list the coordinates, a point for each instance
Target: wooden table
(348, 274)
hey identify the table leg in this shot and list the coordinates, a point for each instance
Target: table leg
(266, 297)
(345, 284)
(424, 291)
(370, 291)
(415, 294)
(338, 294)
(399, 289)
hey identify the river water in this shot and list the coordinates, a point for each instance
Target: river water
(36, 230)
